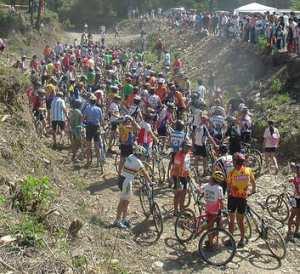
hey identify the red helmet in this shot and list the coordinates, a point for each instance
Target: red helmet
(239, 157)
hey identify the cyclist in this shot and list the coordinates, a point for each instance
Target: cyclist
(271, 143)
(76, 119)
(37, 101)
(218, 124)
(295, 203)
(233, 135)
(180, 173)
(92, 117)
(245, 121)
(58, 113)
(132, 167)
(238, 182)
(213, 197)
(178, 136)
(200, 135)
(114, 115)
(146, 136)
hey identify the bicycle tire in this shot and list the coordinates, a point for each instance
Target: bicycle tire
(254, 163)
(278, 238)
(186, 220)
(206, 253)
(157, 219)
(143, 194)
(116, 161)
(247, 226)
(280, 204)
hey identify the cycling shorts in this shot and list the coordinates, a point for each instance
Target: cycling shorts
(237, 205)
(125, 185)
(92, 133)
(180, 183)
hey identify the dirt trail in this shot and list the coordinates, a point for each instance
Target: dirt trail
(111, 40)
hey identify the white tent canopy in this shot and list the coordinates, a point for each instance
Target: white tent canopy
(254, 8)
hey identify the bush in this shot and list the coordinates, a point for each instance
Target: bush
(34, 195)
(276, 86)
(29, 231)
(9, 22)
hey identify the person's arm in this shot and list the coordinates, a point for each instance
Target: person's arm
(135, 124)
(153, 136)
(146, 175)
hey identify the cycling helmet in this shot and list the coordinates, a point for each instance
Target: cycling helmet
(218, 176)
(139, 150)
(239, 158)
(41, 91)
(77, 103)
(170, 105)
(179, 125)
(223, 149)
(219, 110)
(137, 99)
(93, 97)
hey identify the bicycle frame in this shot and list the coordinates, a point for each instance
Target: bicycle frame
(196, 196)
(259, 222)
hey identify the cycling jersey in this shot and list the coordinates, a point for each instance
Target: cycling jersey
(201, 134)
(131, 167)
(226, 163)
(144, 136)
(113, 109)
(238, 182)
(181, 164)
(176, 139)
(126, 134)
(213, 195)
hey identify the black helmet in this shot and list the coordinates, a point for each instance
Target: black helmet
(223, 149)
(179, 125)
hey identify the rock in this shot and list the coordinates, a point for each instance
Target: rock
(114, 261)
(4, 118)
(158, 265)
(7, 239)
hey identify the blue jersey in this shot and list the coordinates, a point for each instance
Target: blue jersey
(176, 139)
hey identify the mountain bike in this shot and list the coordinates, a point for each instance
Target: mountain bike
(254, 158)
(278, 205)
(150, 207)
(211, 246)
(272, 237)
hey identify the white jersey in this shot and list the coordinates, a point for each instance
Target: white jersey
(131, 167)
(113, 109)
(212, 196)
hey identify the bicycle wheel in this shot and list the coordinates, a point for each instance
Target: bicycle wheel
(185, 225)
(277, 208)
(254, 163)
(143, 194)
(157, 218)
(217, 247)
(117, 161)
(247, 227)
(275, 242)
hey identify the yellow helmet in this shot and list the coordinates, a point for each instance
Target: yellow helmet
(218, 176)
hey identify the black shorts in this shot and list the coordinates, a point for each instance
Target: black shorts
(38, 115)
(126, 150)
(180, 183)
(162, 131)
(92, 133)
(120, 182)
(113, 125)
(237, 204)
(200, 151)
(60, 124)
(270, 149)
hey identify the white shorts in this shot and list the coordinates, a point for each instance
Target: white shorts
(126, 189)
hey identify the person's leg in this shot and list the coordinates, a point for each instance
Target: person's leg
(121, 164)
(291, 220)
(240, 222)
(182, 199)
(89, 151)
(275, 162)
(125, 209)
(54, 127)
(176, 201)
(231, 222)
(120, 209)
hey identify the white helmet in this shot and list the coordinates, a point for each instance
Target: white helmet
(139, 150)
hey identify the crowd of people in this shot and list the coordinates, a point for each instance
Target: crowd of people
(83, 89)
(280, 31)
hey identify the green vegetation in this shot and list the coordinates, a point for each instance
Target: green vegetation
(276, 86)
(29, 231)
(34, 195)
